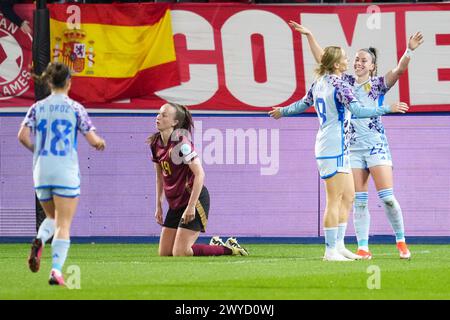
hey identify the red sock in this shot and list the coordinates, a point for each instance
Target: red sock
(207, 250)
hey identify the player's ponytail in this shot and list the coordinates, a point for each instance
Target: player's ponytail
(375, 61)
(41, 79)
(330, 56)
(55, 75)
(374, 55)
(183, 116)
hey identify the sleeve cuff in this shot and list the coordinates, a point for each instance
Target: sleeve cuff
(386, 109)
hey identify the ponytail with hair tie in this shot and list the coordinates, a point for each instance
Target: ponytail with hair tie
(55, 75)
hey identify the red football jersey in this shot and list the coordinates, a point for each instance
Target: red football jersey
(177, 176)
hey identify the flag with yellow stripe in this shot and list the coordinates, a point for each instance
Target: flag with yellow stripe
(115, 51)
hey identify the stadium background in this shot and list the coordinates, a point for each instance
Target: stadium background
(118, 185)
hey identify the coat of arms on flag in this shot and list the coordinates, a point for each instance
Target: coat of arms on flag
(73, 52)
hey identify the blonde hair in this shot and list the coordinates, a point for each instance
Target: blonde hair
(331, 55)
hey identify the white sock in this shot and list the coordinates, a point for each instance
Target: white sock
(46, 230)
(60, 248)
(342, 227)
(393, 213)
(330, 238)
(361, 220)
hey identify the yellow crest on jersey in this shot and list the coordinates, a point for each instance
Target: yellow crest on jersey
(367, 87)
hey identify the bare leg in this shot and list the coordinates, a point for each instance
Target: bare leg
(45, 232)
(346, 205)
(338, 188)
(49, 208)
(361, 179)
(348, 197)
(344, 208)
(65, 209)
(184, 240)
(335, 187)
(383, 177)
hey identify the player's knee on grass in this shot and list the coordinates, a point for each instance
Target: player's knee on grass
(181, 252)
(164, 253)
(178, 254)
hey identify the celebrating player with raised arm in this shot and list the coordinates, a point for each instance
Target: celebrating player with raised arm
(334, 102)
(369, 148)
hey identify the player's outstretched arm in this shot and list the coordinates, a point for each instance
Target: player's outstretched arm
(364, 112)
(24, 138)
(392, 76)
(95, 141)
(316, 49)
(345, 95)
(295, 108)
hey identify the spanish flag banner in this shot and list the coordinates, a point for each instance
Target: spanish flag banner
(115, 51)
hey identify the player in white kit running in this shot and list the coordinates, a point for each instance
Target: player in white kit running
(55, 122)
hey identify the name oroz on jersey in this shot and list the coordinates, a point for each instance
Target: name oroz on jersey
(62, 108)
(226, 309)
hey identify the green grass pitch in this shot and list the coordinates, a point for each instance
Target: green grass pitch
(272, 271)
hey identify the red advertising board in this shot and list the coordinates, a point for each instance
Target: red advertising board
(246, 58)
